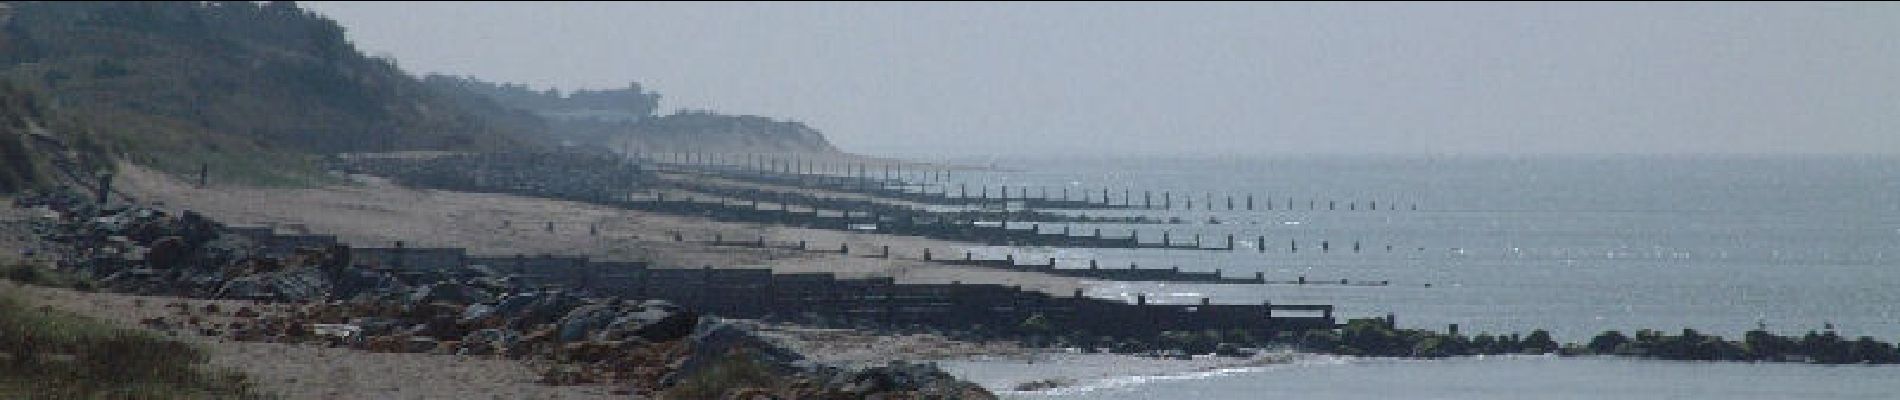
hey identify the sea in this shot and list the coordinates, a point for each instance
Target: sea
(1575, 245)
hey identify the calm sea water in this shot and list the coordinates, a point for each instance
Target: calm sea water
(1575, 245)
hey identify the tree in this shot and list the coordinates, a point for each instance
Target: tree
(1539, 342)
(1607, 342)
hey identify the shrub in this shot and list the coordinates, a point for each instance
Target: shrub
(51, 354)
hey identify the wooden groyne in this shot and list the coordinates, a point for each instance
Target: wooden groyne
(753, 293)
(1009, 263)
(791, 172)
(948, 226)
(786, 199)
(570, 178)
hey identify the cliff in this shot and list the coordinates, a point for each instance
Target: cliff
(626, 119)
(257, 88)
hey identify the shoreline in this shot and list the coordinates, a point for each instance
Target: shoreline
(376, 213)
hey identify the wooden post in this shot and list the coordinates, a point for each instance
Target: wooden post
(105, 188)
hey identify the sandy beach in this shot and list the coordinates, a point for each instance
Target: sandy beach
(375, 212)
(305, 371)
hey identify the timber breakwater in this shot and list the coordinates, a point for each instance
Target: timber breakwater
(985, 219)
(322, 295)
(633, 185)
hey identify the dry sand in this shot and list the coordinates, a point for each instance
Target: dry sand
(302, 371)
(375, 212)
(296, 371)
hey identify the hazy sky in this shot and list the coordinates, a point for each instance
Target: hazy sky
(1231, 78)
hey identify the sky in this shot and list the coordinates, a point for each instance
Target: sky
(911, 79)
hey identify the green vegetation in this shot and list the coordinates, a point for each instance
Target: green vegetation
(29, 150)
(50, 354)
(251, 89)
(630, 103)
(256, 91)
(625, 118)
(32, 273)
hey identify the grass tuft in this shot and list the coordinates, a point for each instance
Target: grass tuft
(46, 353)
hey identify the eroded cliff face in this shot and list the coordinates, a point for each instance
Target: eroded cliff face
(41, 147)
(715, 133)
(625, 119)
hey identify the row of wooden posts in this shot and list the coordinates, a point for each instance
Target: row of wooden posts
(782, 171)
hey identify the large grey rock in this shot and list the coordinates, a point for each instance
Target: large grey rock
(450, 292)
(714, 340)
(584, 320)
(294, 285)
